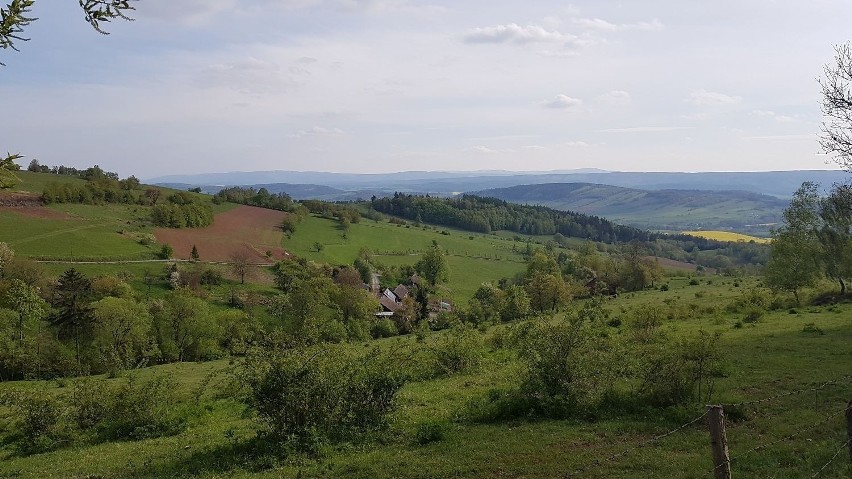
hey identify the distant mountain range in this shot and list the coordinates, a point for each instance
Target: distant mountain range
(781, 184)
(746, 202)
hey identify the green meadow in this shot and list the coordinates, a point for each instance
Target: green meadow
(472, 258)
(783, 352)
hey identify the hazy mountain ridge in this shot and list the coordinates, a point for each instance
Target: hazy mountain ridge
(656, 209)
(781, 184)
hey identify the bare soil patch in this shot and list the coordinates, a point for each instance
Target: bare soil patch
(244, 228)
(29, 205)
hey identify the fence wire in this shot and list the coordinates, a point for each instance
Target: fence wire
(842, 448)
(614, 457)
(785, 438)
(788, 393)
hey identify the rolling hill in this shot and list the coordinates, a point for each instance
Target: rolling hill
(673, 210)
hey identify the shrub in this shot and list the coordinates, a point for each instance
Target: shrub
(429, 432)
(569, 364)
(459, 349)
(383, 328)
(308, 395)
(166, 251)
(39, 416)
(673, 374)
(694, 282)
(140, 410)
(664, 287)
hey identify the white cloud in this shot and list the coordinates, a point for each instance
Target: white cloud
(249, 75)
(797, 136)
(617, 97)
(643, 129)
(775, 116)
(710, 98)
(514, 33)
(317, 131)
(605, 26)
(563, 102)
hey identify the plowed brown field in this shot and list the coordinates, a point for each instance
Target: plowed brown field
(243, 228)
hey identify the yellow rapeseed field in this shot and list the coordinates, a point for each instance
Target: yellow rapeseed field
(726, 236)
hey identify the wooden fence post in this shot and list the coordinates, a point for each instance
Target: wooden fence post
(719, 442)
(849, 428)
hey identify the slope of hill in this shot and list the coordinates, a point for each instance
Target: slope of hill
(775, 183)
(656, 209)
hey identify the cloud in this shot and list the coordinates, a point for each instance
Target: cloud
(563, 102)
(576, 144)
(643, 129)
(514, 33)
(711, 98)
(249, 75)
(797, 136)
(617, 97)
(605, 26)
(775, 116)
(317, 131)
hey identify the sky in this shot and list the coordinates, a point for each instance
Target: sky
(374, 86)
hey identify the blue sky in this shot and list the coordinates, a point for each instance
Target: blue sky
(394, 85)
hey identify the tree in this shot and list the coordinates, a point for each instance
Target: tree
(432, 266)
(193, 255)
(240, 264)
(30, 308)
(121, 330)
(8, 167)
(836, 86)
(16, 16)
(547, 292)
(71, 299)
(794, 262)
(823, 227)
(6, 257)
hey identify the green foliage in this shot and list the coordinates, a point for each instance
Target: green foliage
(182, 215)
(429, 432)
(307, 396)
(458, 349)
(674, 374)
(143, 409)
(433, 267)
(569, 366)
(122, 332)
(39, 418)
(166, 251)
(8, 166)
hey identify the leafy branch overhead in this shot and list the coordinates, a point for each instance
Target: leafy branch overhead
(18, 14)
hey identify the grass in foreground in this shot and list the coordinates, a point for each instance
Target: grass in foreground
(782, 352)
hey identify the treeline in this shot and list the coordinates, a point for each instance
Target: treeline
(261, 198)
(87, 173)
(100, 187)
(485, 215)
(182, 210)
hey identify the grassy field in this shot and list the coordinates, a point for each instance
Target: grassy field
(472, 258)
(77, 231)
(781, 353)
(727, 236)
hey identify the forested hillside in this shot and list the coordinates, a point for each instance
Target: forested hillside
(673, 210)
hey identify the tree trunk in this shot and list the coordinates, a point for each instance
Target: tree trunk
(842, 287)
